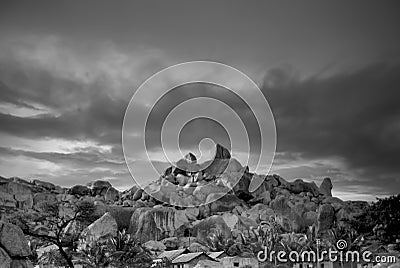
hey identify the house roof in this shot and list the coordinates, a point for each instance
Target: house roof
(184, 258)
(216, 254)
(172, 254)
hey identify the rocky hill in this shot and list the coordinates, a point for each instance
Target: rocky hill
(187, 204)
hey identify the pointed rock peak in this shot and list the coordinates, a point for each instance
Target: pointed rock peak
(222, 153)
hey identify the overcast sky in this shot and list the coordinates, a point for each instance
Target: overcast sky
(329, 70)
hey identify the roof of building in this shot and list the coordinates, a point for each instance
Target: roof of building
(184, 258)
(216, 254)
(172, 254)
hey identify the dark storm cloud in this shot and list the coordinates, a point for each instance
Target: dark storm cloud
(354, 116)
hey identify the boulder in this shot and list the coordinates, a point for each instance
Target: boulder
(171, 243)
(21, 264)
(280, 205)
(191, 158)
(13, 240)
(226, 203)
(202, 192)
(99, 187)
(137, 195)
(100, 230)
(5, 260)
(335, 202)
(154, 246)
(156, 223)
(44, 184)
(79, 190)
(326, 217)
(326, 187)
(214, 224)
(197, 247)
(192, 213)
(7, 200)
(111, 194)
(13, 194)
(299, 186)
(41, 199)
(239, 182)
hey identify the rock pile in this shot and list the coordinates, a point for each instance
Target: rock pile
(190, 202)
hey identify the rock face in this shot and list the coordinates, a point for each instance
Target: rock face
(14, 248)
(103, 228)
(15, 195)
(326, 187)
(157, 223)
(214, 224)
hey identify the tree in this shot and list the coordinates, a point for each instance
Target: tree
(50, 224)
(120, 251)
(381, 219)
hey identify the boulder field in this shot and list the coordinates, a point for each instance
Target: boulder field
(189, 202)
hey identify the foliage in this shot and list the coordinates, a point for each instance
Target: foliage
(50, 224)
(381, 219)
(120, 251)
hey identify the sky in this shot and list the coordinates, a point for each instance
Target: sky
(329, 70)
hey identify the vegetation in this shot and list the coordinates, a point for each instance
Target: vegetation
(120, 251)
(50, 225)
(381, 219)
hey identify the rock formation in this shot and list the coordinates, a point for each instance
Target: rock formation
(190, 202)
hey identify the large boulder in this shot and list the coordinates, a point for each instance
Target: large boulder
(44, 184)
(326, 187)
(41, 199)
(214, 224)
(326, 217)
(100, 230)
(335, 202)
(7, 200)
(225, 203)
(21, 264)
(157, 223)
(99, 187)
(299, 186)
(203, 192)
(80, 190)
(13, 194)
(154, 246)
(13, 241)
(111, 194)
(137, 195)
(5, 260)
